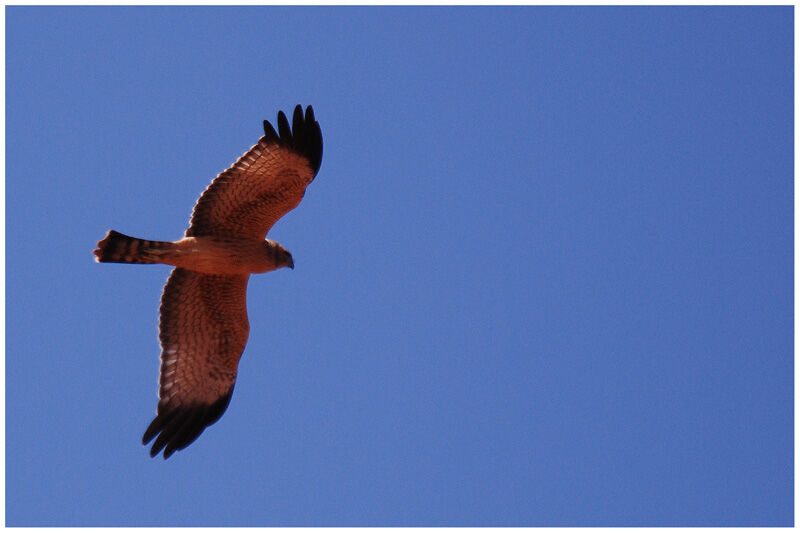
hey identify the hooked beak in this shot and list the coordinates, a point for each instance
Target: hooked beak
(290, 263)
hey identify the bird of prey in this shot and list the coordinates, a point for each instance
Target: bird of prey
(203, 324)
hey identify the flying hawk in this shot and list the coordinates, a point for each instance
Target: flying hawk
(203, 326)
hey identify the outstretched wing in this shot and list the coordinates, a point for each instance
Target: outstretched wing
(203, 331)
(264, 184)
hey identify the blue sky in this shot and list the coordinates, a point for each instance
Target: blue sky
(544, 276)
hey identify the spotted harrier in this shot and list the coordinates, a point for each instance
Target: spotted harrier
(203, 324)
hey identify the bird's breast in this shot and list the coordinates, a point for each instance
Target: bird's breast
(219, 255)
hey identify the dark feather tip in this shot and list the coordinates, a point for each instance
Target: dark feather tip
(304, 136)
(269, 132)
(175, 429)
(284, 129)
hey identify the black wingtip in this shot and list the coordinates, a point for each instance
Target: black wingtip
(175, 429)
(304, 136)
(283, 128)
(269, 132)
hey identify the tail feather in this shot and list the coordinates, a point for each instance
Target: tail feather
(118, 248)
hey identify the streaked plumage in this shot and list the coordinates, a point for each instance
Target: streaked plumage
(203, 326)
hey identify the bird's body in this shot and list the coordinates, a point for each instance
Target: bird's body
(204, 327)
(208, 254)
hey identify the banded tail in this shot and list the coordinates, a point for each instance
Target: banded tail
(118, 248)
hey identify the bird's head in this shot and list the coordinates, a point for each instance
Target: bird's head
(279, 254)
(287, 259)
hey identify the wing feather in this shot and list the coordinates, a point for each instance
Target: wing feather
(203, 331)
(264, 184)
